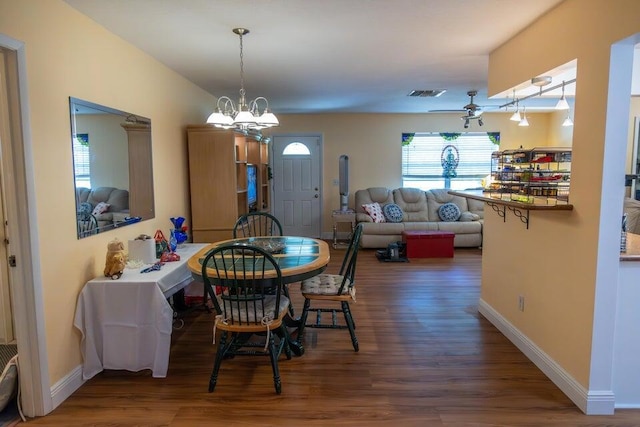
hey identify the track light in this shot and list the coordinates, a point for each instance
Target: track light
(567, 121)
(562, 102)
(524, 121)
(516, 116)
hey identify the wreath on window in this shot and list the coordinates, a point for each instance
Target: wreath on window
(449, 159)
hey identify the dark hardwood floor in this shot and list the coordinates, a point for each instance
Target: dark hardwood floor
(427, 358)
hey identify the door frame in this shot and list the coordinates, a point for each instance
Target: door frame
(321, 169)
(26, 277)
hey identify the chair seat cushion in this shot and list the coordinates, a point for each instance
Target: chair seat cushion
(325, 284)
(237, 312)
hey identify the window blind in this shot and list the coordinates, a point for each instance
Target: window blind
(422, 160)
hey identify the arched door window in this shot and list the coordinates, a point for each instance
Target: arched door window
(296, 149)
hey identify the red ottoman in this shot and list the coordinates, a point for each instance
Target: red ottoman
(428, 244)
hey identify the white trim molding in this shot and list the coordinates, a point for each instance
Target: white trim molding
(591, 402)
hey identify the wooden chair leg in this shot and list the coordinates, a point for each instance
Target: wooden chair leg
(349, 319)
(222, 349)
(303, 319)
(273, 353)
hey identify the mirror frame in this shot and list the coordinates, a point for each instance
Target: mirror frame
(136, 140)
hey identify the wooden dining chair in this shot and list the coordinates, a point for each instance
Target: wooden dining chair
(246, 290)
(327, 290)
(254, 224)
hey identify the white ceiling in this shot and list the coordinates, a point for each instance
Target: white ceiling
(326, 55)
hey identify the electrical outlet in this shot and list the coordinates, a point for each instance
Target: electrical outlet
(521, 303)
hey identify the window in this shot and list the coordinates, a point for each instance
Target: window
(296, 148)
(81, 160)
(447, 160)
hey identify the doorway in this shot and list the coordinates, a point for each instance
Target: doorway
(297, 177)
(21, 230)
(6, 316)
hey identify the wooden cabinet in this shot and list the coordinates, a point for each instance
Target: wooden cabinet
(222, 166)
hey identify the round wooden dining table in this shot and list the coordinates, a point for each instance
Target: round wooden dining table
(299, 258)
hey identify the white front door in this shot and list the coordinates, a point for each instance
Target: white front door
(297, 175)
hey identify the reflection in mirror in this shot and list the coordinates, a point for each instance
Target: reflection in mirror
(112, 167)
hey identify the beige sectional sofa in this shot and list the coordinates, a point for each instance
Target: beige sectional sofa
(419, 212)
(117, 199)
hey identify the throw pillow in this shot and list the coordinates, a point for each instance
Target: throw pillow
(101, 207)
(375, 211)
(449, 212)
(392, 212)
(85, 209)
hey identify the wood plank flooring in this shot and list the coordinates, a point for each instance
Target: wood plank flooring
(427, 358)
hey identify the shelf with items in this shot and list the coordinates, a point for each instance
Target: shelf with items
(537, 176)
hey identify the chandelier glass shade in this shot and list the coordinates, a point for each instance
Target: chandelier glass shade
(254, 115)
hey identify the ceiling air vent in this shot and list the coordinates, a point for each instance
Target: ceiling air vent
(429, 93)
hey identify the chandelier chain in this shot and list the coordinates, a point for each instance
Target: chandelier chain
(242, 91)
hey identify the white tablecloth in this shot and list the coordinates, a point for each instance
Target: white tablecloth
(126, 323)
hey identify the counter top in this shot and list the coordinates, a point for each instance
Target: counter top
(538, 204)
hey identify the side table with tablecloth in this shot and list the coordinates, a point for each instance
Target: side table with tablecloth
(127, 323)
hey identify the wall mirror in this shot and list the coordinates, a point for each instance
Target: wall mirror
(112, 167)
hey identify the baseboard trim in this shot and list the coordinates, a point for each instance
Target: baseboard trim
(66, 386)
(591, 402)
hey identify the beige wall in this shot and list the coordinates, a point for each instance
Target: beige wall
(373, 144)
(67, 54)
(558, 263)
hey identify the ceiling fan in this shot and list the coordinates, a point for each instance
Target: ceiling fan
(472, 110)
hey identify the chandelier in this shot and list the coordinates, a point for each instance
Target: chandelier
(245, 116)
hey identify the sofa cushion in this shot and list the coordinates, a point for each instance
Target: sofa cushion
(472, 227)
(449, 212)
(392, 228)
(375, 211)
(117, 198)
(413, 203)
(476, 207)
(392, 212)
(468, 216)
